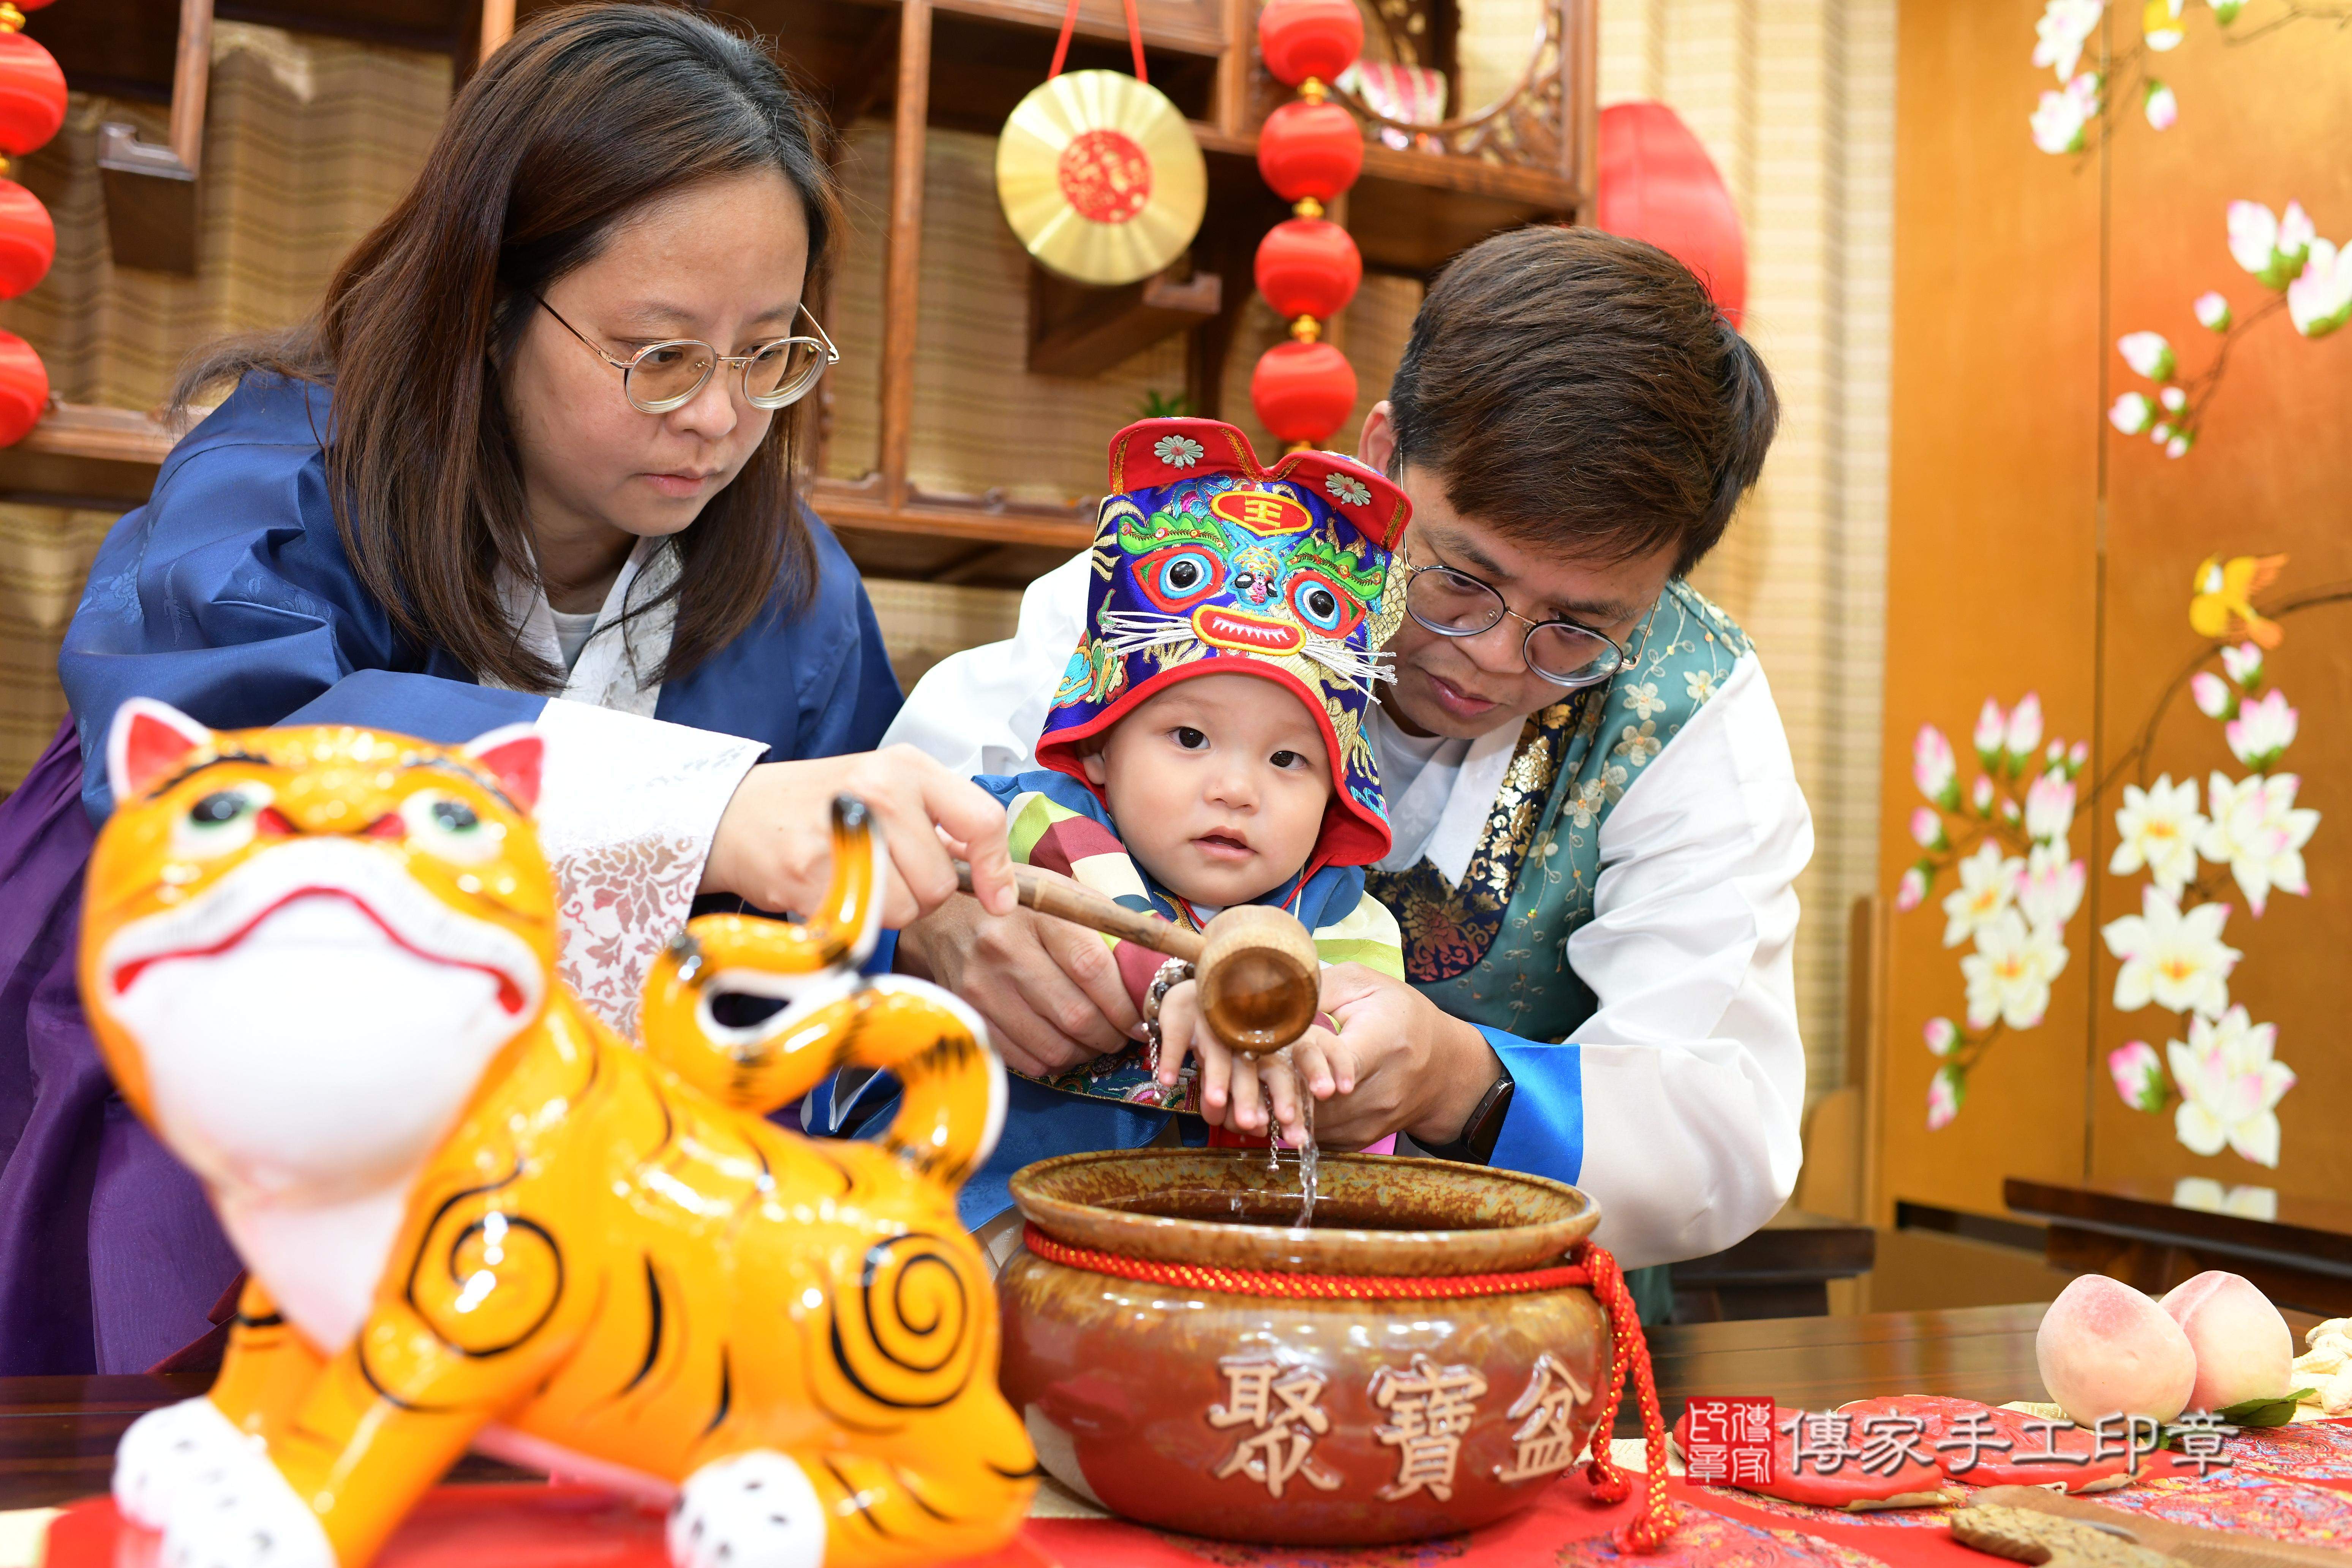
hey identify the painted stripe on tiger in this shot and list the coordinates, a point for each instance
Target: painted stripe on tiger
(320, 963)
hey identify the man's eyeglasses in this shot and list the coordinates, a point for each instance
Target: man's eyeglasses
(663, 376)
(1456, 605)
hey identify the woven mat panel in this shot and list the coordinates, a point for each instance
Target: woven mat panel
(1372, 332)
(922, 623)
(308, 142)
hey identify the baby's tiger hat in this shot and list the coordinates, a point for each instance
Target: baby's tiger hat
(1206, 563)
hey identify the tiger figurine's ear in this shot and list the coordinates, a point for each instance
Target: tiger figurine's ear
(514, 755)
(146, 744)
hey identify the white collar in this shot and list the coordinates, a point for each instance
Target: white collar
(1462, 820)
(609, 669)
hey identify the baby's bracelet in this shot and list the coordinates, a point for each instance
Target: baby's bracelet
(1172, 973)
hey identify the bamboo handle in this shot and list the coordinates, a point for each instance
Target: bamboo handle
(1084, 906)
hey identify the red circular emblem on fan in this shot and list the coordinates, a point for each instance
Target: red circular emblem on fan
(1105, 176)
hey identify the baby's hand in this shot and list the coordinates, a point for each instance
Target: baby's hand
(1235, 1089)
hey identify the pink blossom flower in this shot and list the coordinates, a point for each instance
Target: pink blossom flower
(2060, 119)
(2024, 727)
(1927, 828)
(2263, 729)
(2133, 412)
(2243, 663)
(2049, 807)
(1941, 1034)
(2212, 695)
(1932, 767)
(2320, 299)
(2212, 311)
(1911, 891)
(2160, 106)
(1993, 725)
(2050, 889)
(1944, 1092)
(2138, 1075)
(2147, 353)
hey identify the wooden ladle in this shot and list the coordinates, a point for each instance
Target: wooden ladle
(1260, 978)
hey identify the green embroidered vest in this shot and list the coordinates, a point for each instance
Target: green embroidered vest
(1494, 950)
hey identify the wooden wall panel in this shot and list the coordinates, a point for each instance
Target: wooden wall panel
(1992, 561)
(2033, 548)
(2267, 120)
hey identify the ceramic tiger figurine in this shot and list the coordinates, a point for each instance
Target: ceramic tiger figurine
(320, 963)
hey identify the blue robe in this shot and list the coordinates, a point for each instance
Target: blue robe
(229, 596)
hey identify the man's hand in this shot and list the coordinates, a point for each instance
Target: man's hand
(774, 846)
(1050, 991)
(1400, 1063)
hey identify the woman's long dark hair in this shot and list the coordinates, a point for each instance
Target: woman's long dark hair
(581, 117)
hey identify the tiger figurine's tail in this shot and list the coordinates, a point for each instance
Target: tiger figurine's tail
(954, 1102)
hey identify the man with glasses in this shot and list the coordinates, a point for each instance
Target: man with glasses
(1596, 821)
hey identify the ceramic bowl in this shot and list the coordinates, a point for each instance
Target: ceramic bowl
(1292, 1420)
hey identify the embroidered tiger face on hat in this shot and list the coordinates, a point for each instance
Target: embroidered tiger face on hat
(1207, 564)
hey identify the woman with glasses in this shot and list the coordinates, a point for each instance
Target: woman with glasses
(533, 460)
(1596, 823)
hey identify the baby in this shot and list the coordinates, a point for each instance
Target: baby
(1206, 747)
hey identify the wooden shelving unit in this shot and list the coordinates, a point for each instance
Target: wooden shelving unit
(959, 65)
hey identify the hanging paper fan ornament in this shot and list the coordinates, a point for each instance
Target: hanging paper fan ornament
(1098, 174)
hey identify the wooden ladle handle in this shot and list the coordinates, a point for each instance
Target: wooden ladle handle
(1084, 906)
(1259, 974)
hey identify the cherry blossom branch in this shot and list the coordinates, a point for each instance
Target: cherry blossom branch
(2137, 754)
(2341, 16)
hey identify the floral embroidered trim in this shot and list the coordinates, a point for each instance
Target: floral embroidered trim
(618, 904)
(1355, 492)
(1182, 452)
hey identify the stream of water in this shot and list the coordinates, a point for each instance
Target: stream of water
(1309, 1157)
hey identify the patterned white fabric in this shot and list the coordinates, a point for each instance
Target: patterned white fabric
(628, 804)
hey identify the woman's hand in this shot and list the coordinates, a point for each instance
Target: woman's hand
(1402, 1064)
(774, 844)
(1050, 991)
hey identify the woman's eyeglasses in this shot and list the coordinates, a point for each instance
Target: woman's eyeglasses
(662, 377)
(1456, 605)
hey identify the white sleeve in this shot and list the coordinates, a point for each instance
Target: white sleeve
(1693, 1075)
(627, 810)
(982, 710)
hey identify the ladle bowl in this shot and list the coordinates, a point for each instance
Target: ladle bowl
(1312, 1408)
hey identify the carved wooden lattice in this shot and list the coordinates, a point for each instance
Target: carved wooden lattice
(1522, 129)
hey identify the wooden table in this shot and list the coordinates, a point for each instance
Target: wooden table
(58, 1433)
(2298, 1250)
(1782, 1271)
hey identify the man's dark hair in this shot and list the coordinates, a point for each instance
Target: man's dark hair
(1579, 390)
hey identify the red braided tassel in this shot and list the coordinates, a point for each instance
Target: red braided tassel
(1648, 1530)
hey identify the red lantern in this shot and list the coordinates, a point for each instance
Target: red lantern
(32, 95)
(1308, 267)
(1309, 150)
(24, 389)
(29, 240)
(1657, 183)
(1302, 39)
(1303, 390)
